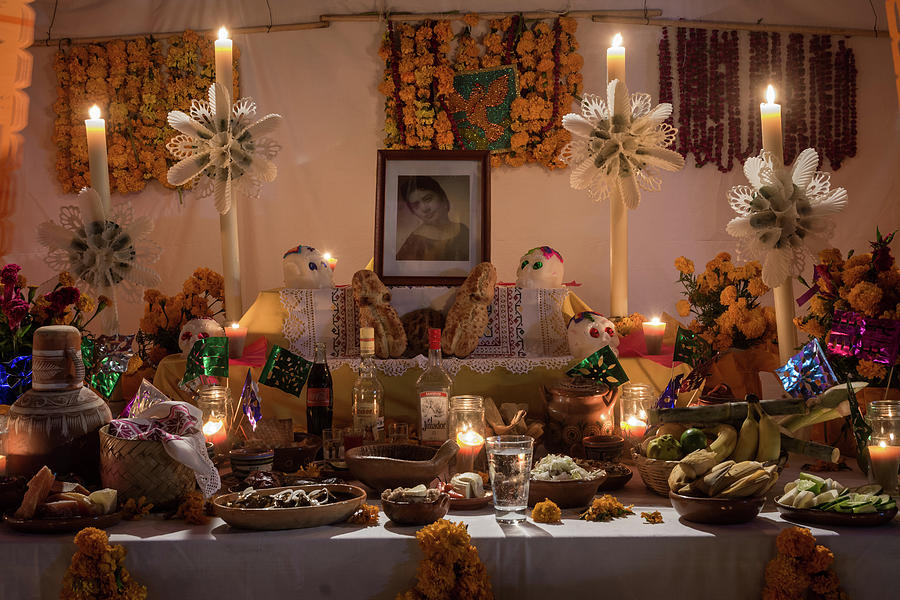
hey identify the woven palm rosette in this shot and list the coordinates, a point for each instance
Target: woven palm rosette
(138, 468)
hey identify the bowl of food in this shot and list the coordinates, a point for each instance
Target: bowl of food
(246, 460)
(388, 466)
(560, 479)
(290, 507)
(617, 474)
(717, 511)
(415, 506)
(603, 447)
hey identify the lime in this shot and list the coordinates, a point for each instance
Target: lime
(693, 439)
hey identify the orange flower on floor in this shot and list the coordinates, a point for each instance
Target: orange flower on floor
(799, 567)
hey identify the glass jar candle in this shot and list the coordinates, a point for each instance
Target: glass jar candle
(467, 428)
(635, 400)
(214, 401)
(884, 444)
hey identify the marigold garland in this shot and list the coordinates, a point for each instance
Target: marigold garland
(420, 63)
(134, 83)
(97, 570)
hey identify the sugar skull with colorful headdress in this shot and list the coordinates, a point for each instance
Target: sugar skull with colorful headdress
(540, 267)
(588, 332)
(306, 268)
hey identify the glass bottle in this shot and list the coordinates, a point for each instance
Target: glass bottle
(433, 389)
(319, 397)
(368, 393)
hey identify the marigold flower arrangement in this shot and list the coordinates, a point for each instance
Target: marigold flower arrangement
(97, 570)
(451, 567)
(606, 508)
(546, 512)
(725, 301)
(868, 284)
(420, 63)
(134, 83)
(202, 295)
(801, 569)
(23, 309)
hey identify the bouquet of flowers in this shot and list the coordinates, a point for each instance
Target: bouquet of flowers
(202, 296)
(24, 308)
(725, 301)
(867, 284)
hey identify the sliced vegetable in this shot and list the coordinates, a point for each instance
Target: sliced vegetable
(818, 482)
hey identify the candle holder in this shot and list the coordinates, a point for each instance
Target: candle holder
(214, 401)
(884, 444)
(467, 428)
(654, 330)
(237, 337)
(636, 399)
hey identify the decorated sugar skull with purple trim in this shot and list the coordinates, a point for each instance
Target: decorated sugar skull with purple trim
(540, 267)
(198, 329)
(588, 332)
(305, 268)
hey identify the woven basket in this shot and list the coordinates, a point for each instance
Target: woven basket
(655, 473)
(136, 468)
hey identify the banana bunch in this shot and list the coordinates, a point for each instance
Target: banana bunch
(729, 479)
(757, 439)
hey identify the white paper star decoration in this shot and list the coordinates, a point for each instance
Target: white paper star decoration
(618, 145)
(233, 153)
(781, 210)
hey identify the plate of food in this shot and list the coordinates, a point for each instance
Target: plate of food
(467, 491)
(51, 506)
(290, 507)
(816, 501)
(559, 478)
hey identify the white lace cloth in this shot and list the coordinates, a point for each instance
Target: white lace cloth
(526, 328)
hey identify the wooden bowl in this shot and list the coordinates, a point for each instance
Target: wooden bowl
(416, 513)
(615, 481)
(573, 493)
(292, 518)
(384, 466)
(717, 511)
(603, 447)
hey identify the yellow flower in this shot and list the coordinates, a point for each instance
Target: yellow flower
(683, 307)
(546, 512)
(684, 265)
(864, 298)
(728, 296)
(831, 257)
(871, 370)
(66, 279)
(756, 287)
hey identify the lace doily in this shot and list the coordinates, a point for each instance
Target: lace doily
(518, 365)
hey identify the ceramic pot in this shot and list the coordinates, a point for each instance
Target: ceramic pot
(577, 408)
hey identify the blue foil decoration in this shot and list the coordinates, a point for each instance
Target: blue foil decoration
(668, 397)
(250, 401)
(807, 373)
(15, 377)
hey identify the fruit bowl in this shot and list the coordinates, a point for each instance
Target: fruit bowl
(572, 493)
(717, 511)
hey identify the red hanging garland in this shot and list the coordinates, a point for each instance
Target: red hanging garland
(733, 98)
(555, 113)
(665, 70)
(684, 107)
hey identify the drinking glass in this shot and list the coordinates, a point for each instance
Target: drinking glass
(509, 461)
(353, 437)
(332, 444)
(398, 433)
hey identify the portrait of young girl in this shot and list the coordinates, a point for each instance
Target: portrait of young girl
(437, 233)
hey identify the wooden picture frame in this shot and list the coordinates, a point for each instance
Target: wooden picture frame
(432, 215)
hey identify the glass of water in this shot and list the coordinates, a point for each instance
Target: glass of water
(509, 459)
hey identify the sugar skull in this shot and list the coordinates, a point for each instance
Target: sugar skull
(305, 268)
(540, 267)
(198, 329)
(588, 332)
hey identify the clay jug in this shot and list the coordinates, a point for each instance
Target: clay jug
(577, 408)
(55, 423)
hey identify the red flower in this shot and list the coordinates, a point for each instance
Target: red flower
(15, 311)
(10, 274)
(62, 298)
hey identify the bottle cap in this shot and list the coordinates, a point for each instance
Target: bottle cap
(434, 339)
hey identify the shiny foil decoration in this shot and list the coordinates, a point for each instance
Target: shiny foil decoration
(250, 401)
(866, 338)
(106, 359)
(697, 377)
(285, 370)
(15, 376)
(845, 334)
(861, 430)
(690, 348)
(670, 395)
(603, 366)
(207, 359)
(807, 373)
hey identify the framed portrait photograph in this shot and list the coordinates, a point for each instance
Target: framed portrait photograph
(432, 215)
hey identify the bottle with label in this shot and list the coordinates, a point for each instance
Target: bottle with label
(433, 389)
(319, 401)
(368, 393)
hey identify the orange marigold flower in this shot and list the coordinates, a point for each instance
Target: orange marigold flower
(831, 257)
(66, 279)
(728, 296)
(864, 259)
(864, 298)
(546, 512)
(684, 265)
(471, 19)
(821, 560)
(683, 307)
(756, 287)
(871, 370)
(786, 574)
(796, 542)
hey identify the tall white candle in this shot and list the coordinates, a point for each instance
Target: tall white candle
(228, 223)
(618, 214)
(96, 142)
(770, 117)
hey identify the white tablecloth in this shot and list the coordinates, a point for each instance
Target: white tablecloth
(622, 559)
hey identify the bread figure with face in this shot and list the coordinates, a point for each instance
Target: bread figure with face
(198, 329)
(305, 268)
(540, 267)
(588, 332)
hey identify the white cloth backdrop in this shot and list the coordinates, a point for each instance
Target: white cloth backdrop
(324, 83)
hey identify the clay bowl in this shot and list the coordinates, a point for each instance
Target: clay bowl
(246, 460)
(12, 491)
(383, 466)
(292, 518)
(603, 447)
(717, 511)
(574, 493)
(615, 480)
(416, 513)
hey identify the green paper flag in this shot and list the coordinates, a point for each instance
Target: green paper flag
(861, 430)
(207, 358)
(105, 359)
(285, 370)
(602, 365)
(690, 348)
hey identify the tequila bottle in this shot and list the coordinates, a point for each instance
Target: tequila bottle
(433, 389)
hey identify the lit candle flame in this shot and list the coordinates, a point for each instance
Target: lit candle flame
(643, 414)
(882, 445)
(223, 33)
(469, 438)
(617, 40)
(94, 112)
(235, 325)
(655, 321)
(635, 422)
(210, 428)
(770, 94)
(327, 256)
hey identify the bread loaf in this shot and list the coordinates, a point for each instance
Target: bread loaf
(38, 490)
(468, 317)
(373, 304)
